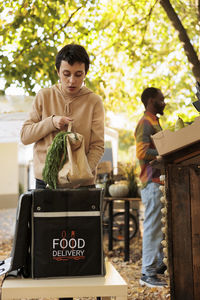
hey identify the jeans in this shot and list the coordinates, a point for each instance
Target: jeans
(152, 254)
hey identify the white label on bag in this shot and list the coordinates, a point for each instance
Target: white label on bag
(68, 248)
(66, 214)
(72, 243)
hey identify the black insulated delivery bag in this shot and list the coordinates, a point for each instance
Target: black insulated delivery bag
(67, 233)
(58, 233)
(19, 261)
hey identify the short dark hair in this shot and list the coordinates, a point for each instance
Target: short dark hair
(148, 93)
(73, 53)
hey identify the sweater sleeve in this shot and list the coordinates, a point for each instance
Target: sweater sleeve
(144, 148)
(36, 127)
(96, 146)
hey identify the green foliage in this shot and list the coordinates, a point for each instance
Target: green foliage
(21, 189)
(55, 159)
(126, 139)
(32, 32)
(132, 45)
(129, 171)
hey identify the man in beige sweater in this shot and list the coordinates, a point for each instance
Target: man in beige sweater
(67, 101)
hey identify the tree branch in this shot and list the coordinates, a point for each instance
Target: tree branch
(183, 36)
(46, 38)
(68, 21)
(147, 21)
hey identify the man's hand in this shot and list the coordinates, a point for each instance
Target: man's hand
(159, 158)
(61, 122)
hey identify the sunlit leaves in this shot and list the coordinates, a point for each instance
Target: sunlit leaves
(31, 38)
(132, 45)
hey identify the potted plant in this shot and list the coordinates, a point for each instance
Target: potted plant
(130, 175)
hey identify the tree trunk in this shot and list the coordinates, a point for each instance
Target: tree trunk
(198, 9)
(188, 47)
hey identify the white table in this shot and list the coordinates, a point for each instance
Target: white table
(110, 285)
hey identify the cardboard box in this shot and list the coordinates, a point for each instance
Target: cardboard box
(167, 141)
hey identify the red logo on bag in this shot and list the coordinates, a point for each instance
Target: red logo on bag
(68, 248)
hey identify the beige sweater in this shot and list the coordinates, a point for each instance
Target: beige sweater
(85, 108)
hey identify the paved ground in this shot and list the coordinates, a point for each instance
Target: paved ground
(7, 224)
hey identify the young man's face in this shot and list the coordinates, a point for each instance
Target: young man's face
(159, 103)
(71, 76)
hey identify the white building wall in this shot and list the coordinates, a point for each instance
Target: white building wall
(8, 174)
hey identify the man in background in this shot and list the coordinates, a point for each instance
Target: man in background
(152, 254)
